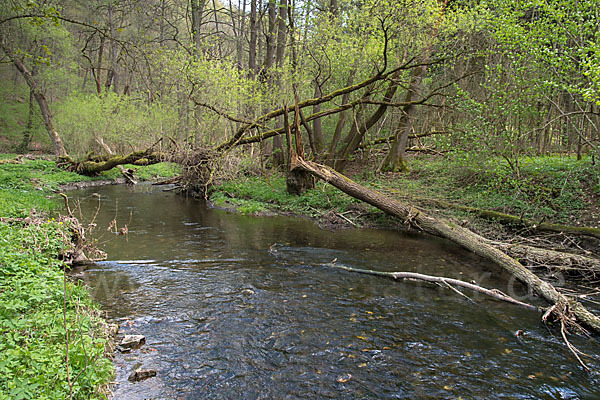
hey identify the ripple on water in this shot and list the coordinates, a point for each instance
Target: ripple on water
(242, 307)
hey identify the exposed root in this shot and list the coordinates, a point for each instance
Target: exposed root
(560, 312)
(201, 167)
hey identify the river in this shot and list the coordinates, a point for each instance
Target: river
(242, 307)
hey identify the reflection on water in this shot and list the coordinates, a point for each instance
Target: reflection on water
(241, 307)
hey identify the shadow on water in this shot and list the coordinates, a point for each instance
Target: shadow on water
(241, 307)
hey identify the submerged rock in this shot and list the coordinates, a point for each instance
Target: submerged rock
(132, 341)
(141, 374)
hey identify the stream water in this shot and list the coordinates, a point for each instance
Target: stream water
(242, 307)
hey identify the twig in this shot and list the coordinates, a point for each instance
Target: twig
(345, 218)
(572, 348)
(64, 196)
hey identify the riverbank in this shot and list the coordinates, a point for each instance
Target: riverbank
(553, 189)
(54, 342)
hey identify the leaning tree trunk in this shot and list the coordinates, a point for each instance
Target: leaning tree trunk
(28, 133)
(59, 148)
(396, 158)
(457, 234)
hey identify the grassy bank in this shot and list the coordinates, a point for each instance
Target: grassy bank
(37, 303)
(36, 300)
(552, 189)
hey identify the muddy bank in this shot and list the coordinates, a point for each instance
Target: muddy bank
(87, 184)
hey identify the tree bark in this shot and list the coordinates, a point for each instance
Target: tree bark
(339, 126)
(94, 165)
(197, 11)
(281, 33)
(27, 134)
(98, 73)
(270, 45)
(396, 158)
(519, 221)
(359, 130)
(59, 148)
(252, 65)
(317, 123)
(455, 233)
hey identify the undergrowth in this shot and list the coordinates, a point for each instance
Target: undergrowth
(251, 195)
(36, 300)
(551, 188)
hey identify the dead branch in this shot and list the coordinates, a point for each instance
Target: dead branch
(312, 102)
(494, 293)
(517, 220)
(453, 232)
(389, 139)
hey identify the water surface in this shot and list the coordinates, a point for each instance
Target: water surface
(242, 307)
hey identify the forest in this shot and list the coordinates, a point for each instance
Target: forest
(473, 121)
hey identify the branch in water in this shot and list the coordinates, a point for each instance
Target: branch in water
(494, 293)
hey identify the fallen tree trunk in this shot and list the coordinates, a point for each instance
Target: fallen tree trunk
(584, 265)
(457, 234)
(516, 220)
(448, 282)
(560, 260)
(92, 166)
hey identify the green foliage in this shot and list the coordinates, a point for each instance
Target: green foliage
(559, 37)
(32, 331)
(27, 185)
(14, 112)
(254, 195)
(123, 122)
(32, 334)
(146, 172)
(553, 188)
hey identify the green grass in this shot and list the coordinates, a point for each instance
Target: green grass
(251, 195)
(28, 185)
(554, 188)
(146, 173)
(32, 332)
(14, 111)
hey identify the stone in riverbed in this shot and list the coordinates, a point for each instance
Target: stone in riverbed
(132, 341)
(141, 374)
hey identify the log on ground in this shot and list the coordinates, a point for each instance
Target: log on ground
(457, 234)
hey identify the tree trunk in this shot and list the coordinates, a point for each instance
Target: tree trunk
(457, 234)
(359, 130)
(339, 126)
(281, 32)
(278, 152)
(317, 125)
(111, 75)
(396, 158)
(98, 73)
(27, 134)
(240, 38)
(93, 165)
(298, 181)
(197, 10)
(252, 65)
(217, 29)
(270, 45)
(59, 148)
